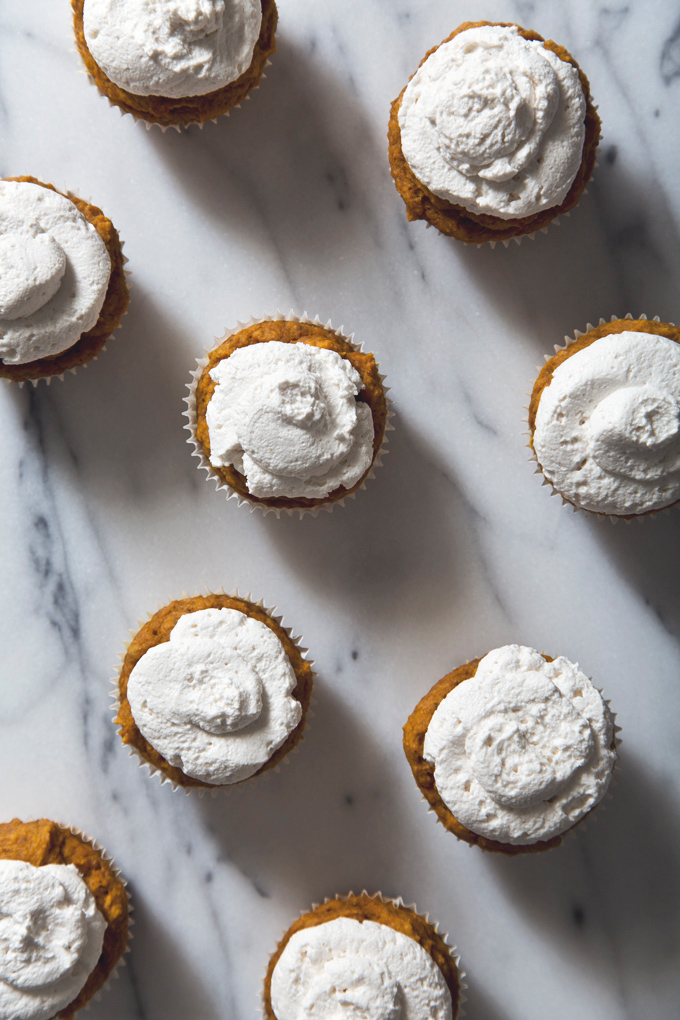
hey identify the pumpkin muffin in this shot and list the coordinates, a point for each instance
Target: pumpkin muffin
(62, 283)
(65, 920)
(604, 418)
(213, 690)
(495, 134)
(512, 750)
(202, 64)
(368, 954)
(288, 415)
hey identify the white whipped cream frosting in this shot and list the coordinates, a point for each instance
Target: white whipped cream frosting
(216, 699)
(346, 969)
(286, 416)
(54, 273)
(51, 937)
(172, 48)
(494, 123)
(522, 750)
(607, 429)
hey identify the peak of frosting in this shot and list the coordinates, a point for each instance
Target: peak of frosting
(346, 969)
(172, 48)
(522, 750)
(607, 429)
(51, 936)
(31, 270)
(286, 416)
(54, 273)
(216, 699)
(495, 123)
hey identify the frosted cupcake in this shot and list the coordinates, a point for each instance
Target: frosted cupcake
(62, 284)
(362, 956)
(64, 927)
(172, 63)
(288, 415)
(212, 691)
(604, 418)
(512, 750)
(495, 134)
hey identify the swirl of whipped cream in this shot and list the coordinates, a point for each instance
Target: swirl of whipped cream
(607, 429)
(494, 123)
(346, 969)
(172, 48)
(522, 750)
(216, 699)
(51, 937)
(54, 273)
(286, 416)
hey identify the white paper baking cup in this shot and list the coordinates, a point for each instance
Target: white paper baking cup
(398, 902)
(614, 518)
(106, 856)
(204, 464)
(227, 788)
(573, 830)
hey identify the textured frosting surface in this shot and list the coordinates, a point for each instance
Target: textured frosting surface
(54, 272)
(494, 123)
(522, 750)
(357, 970)
(286, 416)
(51, 936)
(607, 430)
(216, 699)
(172, 48)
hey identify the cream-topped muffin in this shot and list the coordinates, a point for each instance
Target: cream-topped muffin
(173, 63)
(362, 956)
(288, 414)
(62, 288)
(605, 418)
(494, 135)
(513, 749)
(213, 691)
(63, 920)
(52, 936)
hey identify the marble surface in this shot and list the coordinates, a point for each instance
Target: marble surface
(454, 548)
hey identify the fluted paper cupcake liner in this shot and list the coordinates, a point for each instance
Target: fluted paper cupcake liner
(149, 124)
(614, 518)
(114, 974)
(225, 788)
(398, 902)
(531, 235)
(204, 464)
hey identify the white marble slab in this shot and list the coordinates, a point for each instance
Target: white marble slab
(454, 549)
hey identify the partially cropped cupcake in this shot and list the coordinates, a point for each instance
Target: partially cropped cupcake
(62, 284)
(362, 957)
(495, 134)
(512, 750)
(604, 418)
(172, 63)
(288, 414)
(63, 921)
(212, 691)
